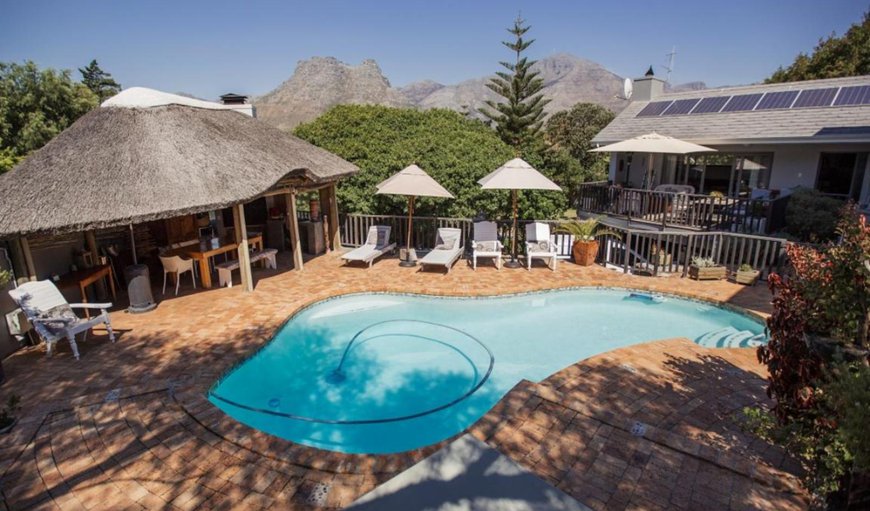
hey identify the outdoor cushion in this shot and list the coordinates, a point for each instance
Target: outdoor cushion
(449, 241)
(487, 246)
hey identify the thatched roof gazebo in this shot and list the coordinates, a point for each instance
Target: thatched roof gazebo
(147, 155)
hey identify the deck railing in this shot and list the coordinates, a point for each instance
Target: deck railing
(672, 251)
(682, 210)
(632, 250)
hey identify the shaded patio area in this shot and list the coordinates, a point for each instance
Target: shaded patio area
(128, 425)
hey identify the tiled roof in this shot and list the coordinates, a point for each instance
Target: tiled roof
(797, 125)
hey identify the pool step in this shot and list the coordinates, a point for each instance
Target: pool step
(730, 337)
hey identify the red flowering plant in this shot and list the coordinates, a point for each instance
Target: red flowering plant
(817, 351)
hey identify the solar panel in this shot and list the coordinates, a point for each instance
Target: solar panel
(654, 108)
(710, 105)
(742, 103)
(815, 97)
(856, 95)
(772, 100)
(681, 106)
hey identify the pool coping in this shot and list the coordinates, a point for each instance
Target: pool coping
(193, 397)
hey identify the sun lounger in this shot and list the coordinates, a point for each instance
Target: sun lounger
(486, 243)
(448, 248)
(377, 244)
(52, 316)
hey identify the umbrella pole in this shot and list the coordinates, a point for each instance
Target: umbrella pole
(513, 263)
(407, 262)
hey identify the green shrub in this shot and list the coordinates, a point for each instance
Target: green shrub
(454, 150)
(811, 216)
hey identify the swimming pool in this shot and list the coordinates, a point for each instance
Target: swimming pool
(384, 373)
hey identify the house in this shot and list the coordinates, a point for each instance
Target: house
(769, 140)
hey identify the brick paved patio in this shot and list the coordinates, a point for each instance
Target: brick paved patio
(128, 426)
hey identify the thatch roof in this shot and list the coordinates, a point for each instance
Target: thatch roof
(121, 165)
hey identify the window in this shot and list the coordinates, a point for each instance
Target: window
(837, 174)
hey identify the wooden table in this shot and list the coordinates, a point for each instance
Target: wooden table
(194, 252)
(86, 277)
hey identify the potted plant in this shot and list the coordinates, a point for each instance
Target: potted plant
(585, 232)
(7, 413)
(746, 275)
(705, 268)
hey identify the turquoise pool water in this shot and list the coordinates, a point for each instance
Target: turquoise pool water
(421, 369)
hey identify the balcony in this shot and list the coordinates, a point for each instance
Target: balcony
(682, 210)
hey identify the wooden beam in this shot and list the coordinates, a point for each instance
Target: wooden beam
(334, 231)
(91, 240)
(18, 263)
(326, 214)
(293, 227)
(28, 259)
(244, 255)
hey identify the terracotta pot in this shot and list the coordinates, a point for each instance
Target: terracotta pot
(585, 252)
(314, 209)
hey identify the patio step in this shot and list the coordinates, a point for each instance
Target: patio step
(730, 337)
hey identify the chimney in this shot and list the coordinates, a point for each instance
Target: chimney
(647, 88)
(238, 103)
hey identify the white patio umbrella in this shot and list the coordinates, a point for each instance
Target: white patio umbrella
(516, 175)
(413, 182)
(653, 143)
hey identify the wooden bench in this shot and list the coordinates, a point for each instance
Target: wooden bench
(225, 270)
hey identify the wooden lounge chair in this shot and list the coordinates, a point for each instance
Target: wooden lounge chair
(486, 243)
(377, 244)
(539, 246)
(448, 249)
(52, 316)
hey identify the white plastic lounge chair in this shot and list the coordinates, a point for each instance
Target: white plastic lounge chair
(377, 244)
(52, 316)
(486, 243)
(448, 248)
(177, 265)
(539, 246)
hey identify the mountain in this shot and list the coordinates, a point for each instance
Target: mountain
(320, 83)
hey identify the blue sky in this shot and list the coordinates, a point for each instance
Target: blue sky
(207, 48)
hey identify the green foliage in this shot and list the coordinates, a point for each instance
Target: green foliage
(454, 150)
(36, 105)
(586, 230)
(521, 117)
(833, 57)
(823, 455)
(811, 216)
(572, 130)
(849, 394)
(99, 82)
(745, 267)
(704, 262)
(5, 277)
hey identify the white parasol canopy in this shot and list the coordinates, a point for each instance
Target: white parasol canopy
(516, 175)
(653, 143)
(413, 182)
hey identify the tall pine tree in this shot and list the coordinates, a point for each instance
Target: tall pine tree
(521, 116)
(100, 82)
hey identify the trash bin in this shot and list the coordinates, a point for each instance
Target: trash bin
(139, 288)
